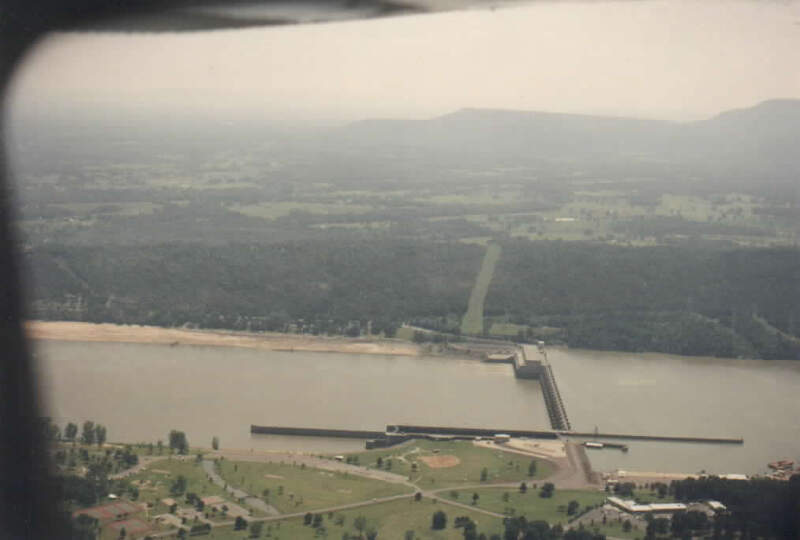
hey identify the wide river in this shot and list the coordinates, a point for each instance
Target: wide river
(140, 392)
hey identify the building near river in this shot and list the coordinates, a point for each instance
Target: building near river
(632, 507)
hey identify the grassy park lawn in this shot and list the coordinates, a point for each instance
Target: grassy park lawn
(295, 488)
(154, 482)
(390, 520)
(436, 467)
(530, 504)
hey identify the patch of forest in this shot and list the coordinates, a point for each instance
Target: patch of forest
(684, 299)
(675, 299)
(335, 285)
(757, 508)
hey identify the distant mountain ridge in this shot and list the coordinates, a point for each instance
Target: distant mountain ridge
(755, 140)
(768, 109)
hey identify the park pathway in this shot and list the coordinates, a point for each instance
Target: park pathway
(144, 461)
(238, 494)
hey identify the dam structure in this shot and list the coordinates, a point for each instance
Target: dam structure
(535, 360)
(530, 362)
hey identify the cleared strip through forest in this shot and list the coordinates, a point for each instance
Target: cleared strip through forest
(472, 323)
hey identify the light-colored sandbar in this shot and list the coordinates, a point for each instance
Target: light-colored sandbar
(272, 341)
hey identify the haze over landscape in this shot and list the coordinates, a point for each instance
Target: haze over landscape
(672, 60)
(564, 234)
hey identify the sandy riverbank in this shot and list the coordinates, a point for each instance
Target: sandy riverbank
(271, 341)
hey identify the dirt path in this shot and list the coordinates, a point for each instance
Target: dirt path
(144, 461)
(477, 509)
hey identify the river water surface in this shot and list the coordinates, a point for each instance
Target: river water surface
(140, 392)
(659, 394)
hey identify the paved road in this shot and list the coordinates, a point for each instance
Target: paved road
(254, 502)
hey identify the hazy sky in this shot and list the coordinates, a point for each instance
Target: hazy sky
(676, 60)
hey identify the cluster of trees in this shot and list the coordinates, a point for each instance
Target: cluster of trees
(317, 522)
(91, 433)
(519, 528)
(662, 227)
(384, 463)
(689, 524)
(178, 486)
(685, 300)
(514, 528)
(178, 442)
(116, 460)
(626, 489)
(757, 508)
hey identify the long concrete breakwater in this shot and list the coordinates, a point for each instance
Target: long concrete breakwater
(554, 434)
(399, 432)
(316, 432)
(469, 432)
(658, 438)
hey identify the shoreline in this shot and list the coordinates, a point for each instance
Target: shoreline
(270, 341)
